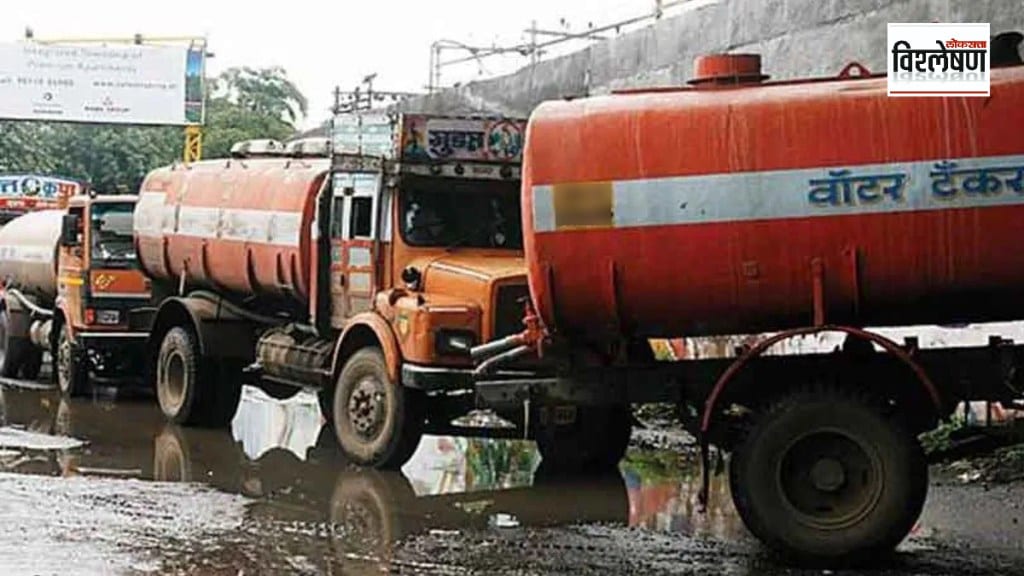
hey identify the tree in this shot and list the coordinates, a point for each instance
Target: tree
(245, 104)
(111, 158)
(264, 91)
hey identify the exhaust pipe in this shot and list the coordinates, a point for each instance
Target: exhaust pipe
(493, 362)
(495, 347)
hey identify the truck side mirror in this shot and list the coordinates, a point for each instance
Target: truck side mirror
(69, 230)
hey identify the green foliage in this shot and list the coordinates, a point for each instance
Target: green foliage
(245, 104)
(653, 466)
(266, 92)
(941, 438)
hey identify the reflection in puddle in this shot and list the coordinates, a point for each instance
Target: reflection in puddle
(446, 465)
(663, 495)
(12, 438)
(263, 423)
(305, 502)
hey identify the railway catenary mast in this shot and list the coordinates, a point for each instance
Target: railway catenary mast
(791, 208)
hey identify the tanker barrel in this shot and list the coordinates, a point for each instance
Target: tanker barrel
(30, 246)
(485, 351)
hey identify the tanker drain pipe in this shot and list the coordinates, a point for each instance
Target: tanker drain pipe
(235, 309)
(495, 347)
(490, 364)
(29, 304)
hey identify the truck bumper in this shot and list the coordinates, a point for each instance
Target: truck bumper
(599, 386)
(435, 379)
(441, 379)
(115, 358)
(129, 337)
(507, 394)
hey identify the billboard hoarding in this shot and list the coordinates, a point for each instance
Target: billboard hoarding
(123, 84)
(20, 193)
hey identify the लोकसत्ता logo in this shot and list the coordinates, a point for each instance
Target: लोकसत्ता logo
(939, 59)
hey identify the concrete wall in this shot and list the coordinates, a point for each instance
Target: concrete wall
(797, 38)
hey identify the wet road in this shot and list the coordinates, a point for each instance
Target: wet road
(92, 486)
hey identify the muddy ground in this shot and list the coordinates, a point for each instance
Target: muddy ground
(91, 486)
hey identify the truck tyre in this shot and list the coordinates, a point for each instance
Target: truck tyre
(825, 478)
(378, 422)
(12, 348)
(187, 389)
(72, 372)
(595, 442)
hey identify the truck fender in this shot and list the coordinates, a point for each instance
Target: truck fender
(927, 387)
(220, 333)
(367, 329)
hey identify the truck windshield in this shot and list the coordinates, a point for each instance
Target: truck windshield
(111, 233)
(455, 213)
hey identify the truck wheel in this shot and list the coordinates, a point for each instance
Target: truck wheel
(72, 373)
(378, 422)
(824, 477)
(11, 348)
(595, 442)
(186, 388)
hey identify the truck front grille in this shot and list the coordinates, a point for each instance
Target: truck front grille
(508, 310)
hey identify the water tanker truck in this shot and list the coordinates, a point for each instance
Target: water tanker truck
(366, 274)
(767, 212)
(70, 286)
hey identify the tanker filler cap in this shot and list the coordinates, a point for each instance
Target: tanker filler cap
(727, 69)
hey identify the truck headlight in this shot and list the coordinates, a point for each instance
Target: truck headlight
(454, 342)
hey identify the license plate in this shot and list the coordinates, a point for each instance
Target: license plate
(564, 415)
(107, 317)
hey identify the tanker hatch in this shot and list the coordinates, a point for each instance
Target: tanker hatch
(717, 70)
(264, 148)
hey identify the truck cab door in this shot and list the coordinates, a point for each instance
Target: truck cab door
(354, 244)
(72, 264)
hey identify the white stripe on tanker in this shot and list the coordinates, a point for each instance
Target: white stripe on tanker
(25, 254)
(781, 194)
(153, 218)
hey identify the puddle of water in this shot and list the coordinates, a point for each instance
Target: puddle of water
(263, 423)
(295, 506)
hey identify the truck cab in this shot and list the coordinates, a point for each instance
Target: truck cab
(364, 266)
(425, 245)
(103, 303)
